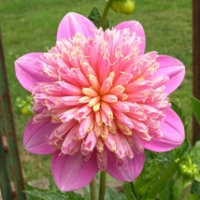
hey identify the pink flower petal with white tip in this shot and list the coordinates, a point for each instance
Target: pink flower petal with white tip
(173, 68)
(173, 134)
(35, 137)
(73, 23)
(129, 171)
(72, 172)
(134, 27)
(26, 73)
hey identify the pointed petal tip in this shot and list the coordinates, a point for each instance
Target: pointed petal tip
(25, 72)
(72, 23)
(135, 26)
(174, 69)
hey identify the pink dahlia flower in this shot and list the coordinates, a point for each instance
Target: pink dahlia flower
(99, 101)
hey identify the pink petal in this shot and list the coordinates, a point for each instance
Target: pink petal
(35, 137)
(173, 68)
(130, 171)
(26, 73)
(71, 172)
(136, 27)
(173, 134)
(73, 23)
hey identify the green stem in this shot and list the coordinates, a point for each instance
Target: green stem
(93, 190)
(102, 187)
(105, 13)
(160, 184)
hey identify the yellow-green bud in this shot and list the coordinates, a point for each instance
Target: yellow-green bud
(123, 6)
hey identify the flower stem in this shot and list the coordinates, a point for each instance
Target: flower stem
(160, 184)
(93, 190)
(105, 13)
(102, 187)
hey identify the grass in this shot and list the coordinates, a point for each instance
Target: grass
(30, 26)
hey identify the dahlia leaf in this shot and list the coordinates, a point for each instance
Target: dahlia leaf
(55, 195)
(149, 175)
(193, 197)
(196, 108)
(155, 167)
(195, 189)
(194, 154)
(167, 192)
(182, 150)
(95, 17)
(187, 181)
(110, 194)
(128, 191)
(178, 188)
(114, 195)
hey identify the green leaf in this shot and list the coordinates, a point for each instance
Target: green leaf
(167, 193)
(95, 17)
(195, 189)
(196, 108)
(110, 194)
(128, 191)
(29, 197)
(178, 188)
(197, 175)
(114, 195)
(187, 181)
(155, 166)
(182, 149)
(53, 195)
(193, 197)
(86, 191)
(195, 155)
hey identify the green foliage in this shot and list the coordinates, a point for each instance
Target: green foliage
(35, 193)
(128, 191)
(95, 17)
(114, 195)
(195, 155)
(52, 195)
(25, 105)
(155, 166)
(111, 194)
(167, 193)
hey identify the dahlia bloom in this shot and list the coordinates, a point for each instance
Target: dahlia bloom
(99, 101)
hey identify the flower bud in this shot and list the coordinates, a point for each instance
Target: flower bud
(189, 172)
(123, 6)
(25, 105)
